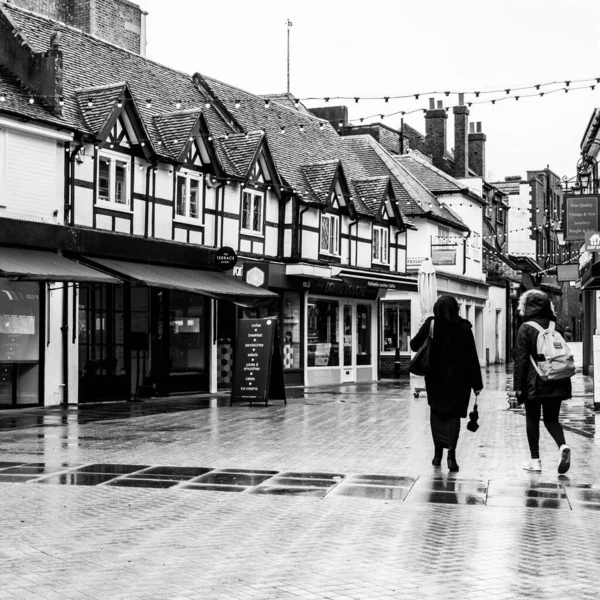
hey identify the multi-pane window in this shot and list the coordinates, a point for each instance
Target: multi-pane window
(252, 211)
(380, 245)
(113, 180)
(187, 201)
(330, 234)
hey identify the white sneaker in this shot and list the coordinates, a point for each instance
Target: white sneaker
(564, 459)
(535, 464)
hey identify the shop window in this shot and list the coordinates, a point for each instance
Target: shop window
(252, 212)
(330, 234)
(290, 330)
(395, 326)
(380, 245)
(323, 343)
(113, 181)
(188, 336)
(188, 203)
(363, 334)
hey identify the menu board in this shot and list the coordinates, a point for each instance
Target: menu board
(258, 368)
(19, 328)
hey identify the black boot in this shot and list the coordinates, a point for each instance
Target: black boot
(452, 464)
(437, 457)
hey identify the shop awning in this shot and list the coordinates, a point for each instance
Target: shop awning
(43, 265)
(207, 283)
(376, 279)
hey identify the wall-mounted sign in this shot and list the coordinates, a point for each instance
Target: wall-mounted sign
(567, 272)
(443, 255)
(592, 241)
(414, 263)
(225, 258)
(581, 215)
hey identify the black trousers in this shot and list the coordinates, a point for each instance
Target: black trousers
(533, 411)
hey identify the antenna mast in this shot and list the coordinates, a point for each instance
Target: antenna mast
(289, 24)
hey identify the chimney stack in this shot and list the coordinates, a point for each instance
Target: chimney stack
(477, 149)
(461, 149)
(435, 132)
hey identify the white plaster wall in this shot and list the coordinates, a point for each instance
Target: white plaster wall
(53, 368)
(84, 207)
(231, 234)
(163, 221)
(496, 304)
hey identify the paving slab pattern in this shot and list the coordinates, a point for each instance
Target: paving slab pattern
(389, 525)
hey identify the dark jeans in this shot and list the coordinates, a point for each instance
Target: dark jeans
(533, 411)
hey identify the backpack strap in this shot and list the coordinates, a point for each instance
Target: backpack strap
(431, 329)
(540, 330)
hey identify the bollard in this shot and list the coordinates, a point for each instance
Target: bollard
(397, 363)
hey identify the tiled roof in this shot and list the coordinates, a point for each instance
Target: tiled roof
(174, 129)
(319, 177)
(102, 100)
(240, 150)
(436, 180)
(372, 192)
(288, 100)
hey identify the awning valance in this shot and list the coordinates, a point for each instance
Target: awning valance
(42, 265)
(376, 279)
(207, 283)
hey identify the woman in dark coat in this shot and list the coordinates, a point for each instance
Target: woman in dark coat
(529, 388)
(456, 371)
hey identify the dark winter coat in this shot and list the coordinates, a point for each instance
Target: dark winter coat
(527, 383)
(456, 369)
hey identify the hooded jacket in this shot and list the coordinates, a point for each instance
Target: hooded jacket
(534, 305)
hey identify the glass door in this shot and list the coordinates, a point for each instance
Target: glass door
(348, 325)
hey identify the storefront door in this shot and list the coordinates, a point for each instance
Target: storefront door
(348, 373)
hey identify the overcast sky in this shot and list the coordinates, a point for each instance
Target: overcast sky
(395, 47)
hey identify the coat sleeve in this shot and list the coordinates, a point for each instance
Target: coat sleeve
(473, 361)
(421, 336)
(521, 361)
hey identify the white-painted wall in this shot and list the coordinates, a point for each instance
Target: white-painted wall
(495, 324)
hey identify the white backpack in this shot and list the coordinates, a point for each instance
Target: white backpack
(558, 360)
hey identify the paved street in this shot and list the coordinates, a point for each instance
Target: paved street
(332, 496)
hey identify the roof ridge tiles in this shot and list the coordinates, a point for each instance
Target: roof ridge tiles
(100, 88)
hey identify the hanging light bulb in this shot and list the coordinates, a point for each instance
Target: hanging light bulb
(386, 98)
(267, 103)
(148, 103)
(31, 100)
(61, 100)
(297, 103)
(120, 103)
(321, 126)
(207, 105)
(90, 103)
(178, 104)
(282, 129)
(237, 103)
(301, 128)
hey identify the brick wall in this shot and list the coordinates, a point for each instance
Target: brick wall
(387, 366)
(116, 21)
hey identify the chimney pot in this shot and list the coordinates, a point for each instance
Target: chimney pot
(431, 103)
(440, 104)
(461, 98)
(471, 127)
(478, 126)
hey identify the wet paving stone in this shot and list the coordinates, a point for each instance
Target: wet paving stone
(36, 468)
(142, 483)
(374, 492)
(431, 496)
(583, 494)
(310, 475)
(16, 478)
(232, 478)
(447, 491)
(211, 487)
(301, 482)
(111, 469)
(175, 473)
(526, 502)
(386, 480)
(276, 490)
(76, 478)
(5, 465)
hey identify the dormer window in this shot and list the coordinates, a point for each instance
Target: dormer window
(188, 199)
(330, 234)
(380, 245)
(113, 181)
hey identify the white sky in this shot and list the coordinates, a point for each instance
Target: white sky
(393, 47)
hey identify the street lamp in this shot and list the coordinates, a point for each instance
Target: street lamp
(584, 179)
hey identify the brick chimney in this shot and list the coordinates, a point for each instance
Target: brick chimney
(336, 115)
(461, 129)
(120, 22)
(435, 132)
(477, 149)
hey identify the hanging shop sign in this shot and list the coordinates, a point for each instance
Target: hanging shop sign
(592, 241)
(567, 272)
(443, 255)
(581, 216)
(225, 258)
(258, 367)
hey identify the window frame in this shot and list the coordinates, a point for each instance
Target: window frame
(254, 195)
(110, 202)
(332, 219)
(381, 246)
(187, 218)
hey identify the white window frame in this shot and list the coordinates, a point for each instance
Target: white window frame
(111, 201)
(380, 244)
(187, 217)
(255, 197)
(333, 236)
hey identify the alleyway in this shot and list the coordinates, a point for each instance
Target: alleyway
(331, 496)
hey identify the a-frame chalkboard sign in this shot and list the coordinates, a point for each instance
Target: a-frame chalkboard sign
(258, 367)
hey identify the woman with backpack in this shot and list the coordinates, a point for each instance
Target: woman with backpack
(540, 390)
(455, 371)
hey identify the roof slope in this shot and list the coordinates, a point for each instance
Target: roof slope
(435, 179)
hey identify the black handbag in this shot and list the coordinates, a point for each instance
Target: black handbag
(421, 361)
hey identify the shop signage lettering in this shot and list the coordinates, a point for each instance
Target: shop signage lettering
(567, 272)
(581, 216)
(225, 258)
(258, 368)
(592, 241)
(446, 256)
(338, 288)
(413, 264)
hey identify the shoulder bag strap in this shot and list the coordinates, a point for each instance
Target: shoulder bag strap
(431, 329)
